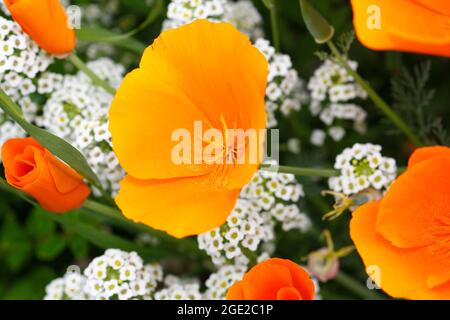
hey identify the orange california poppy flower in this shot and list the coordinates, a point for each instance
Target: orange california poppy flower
(202, 72)
(32, 169)
(419, 26)
(407, 234)
(46, 22)
(274, 279)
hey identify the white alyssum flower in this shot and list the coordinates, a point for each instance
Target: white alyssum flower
(179, 289)
(115, 275)
(285, 91)
(332, 91)
(77, 111)
(245, 229)
(269, 199)
(218, 283)
(69, 287)
(242, 14)
(363, 167)
(22, 63)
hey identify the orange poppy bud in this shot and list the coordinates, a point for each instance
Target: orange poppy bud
(419, 26)
(405, 238)
(34, 170)
(274, 279)
(46, 22)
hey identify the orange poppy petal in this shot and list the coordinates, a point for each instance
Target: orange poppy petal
(264, 281)
(46, 22)
(65, 178)
(418, 29)
(235, 292)
(300, 278)
(12, 147)
(216, 67)
(415, 204)
(404, 273)
(144, 114)
(181, 207)
(426, 153)
(288, 293)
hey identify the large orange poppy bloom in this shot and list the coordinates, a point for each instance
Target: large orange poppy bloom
(407, 234)
(203, 71)
(420, 26)
(274, 279)
(32, 169)
(46, 22)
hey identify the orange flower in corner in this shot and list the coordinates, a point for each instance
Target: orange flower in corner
(419, 26)
(406, 236)
(46, 22)
(34, 170)
(274, 279)
(200, 77)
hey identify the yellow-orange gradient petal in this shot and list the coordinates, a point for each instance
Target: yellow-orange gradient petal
(416, 203)
(404, 25)
(404, 273)
(216, 67)
(200, 76)
(144, 115)
(181, 207)
(426, 153)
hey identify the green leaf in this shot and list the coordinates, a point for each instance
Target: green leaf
(78, 246)
(103, 35)
(15, 246)
(319, 28)
(31, 286)
(104, 239)
(57, 146)
(39, 225)
(50, 248)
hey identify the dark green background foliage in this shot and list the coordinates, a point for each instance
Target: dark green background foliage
(36, 247)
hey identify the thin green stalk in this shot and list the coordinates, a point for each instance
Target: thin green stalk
(275, 26)
(304, 172)
(115, 215)
(379, 102)
(356, 287)
(77, 62)
(153, 14)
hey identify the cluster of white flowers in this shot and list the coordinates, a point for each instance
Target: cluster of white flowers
(276, 195)
(285, 90)
(77, 111)
(245, 229)
(269, 199)
(219, 282)
(179, 289)
(69, 287)
(362, 167)
(332, 89)
(115, 275)
(241, 14)
(21, 63)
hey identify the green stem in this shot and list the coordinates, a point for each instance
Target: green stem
(379, 102)
(77, 62)
(275, 26)
(184, 245)
(153, 14)
(304, 172)
(356, 287)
